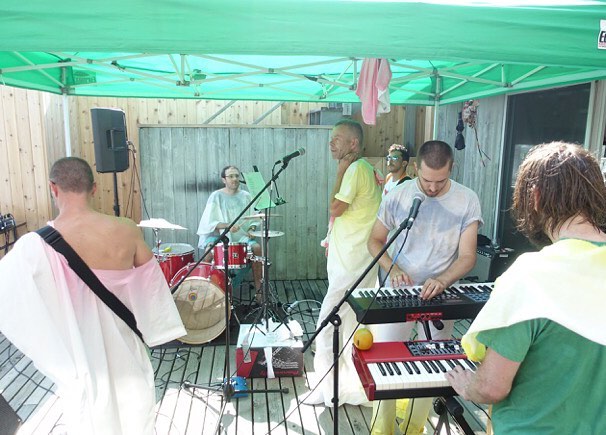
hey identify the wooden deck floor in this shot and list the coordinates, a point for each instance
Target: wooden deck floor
(182, 411)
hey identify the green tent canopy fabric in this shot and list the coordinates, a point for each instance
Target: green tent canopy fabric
(440, 52)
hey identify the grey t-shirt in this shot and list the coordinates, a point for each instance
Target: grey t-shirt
(433, 243)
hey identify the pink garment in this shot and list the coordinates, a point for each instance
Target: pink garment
(373, 89)
(100, 367)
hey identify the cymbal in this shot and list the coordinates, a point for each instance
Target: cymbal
(259, 216)
(160, 223)
(271, 233)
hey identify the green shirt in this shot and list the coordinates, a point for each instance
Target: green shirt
(560, 388)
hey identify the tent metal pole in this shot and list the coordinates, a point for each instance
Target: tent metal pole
(436, 107)
(497, 209)
(66, 129)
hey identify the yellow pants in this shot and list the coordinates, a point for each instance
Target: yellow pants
(412, 412)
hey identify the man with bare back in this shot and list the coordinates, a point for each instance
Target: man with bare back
(100, 366)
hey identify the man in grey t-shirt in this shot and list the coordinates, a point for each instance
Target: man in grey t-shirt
(440, 249)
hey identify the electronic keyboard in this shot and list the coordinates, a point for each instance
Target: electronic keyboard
(403, 304)
(394, 370)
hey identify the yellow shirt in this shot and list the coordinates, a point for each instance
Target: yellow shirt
(351, 230)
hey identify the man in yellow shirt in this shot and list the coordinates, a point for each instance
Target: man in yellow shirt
(354, 203)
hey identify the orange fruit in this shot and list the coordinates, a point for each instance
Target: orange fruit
(362, 339)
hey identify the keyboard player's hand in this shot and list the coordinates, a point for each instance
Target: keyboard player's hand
(399, 278)
(459, 379)
(432, 288)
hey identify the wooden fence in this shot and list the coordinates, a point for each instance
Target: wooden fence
(36, 128)
(180, 167)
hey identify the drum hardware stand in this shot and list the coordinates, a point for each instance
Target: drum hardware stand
(157, 240)
(268, 306)
(334, 319)
(227, 386)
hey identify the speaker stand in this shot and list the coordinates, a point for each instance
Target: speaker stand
(116, 204)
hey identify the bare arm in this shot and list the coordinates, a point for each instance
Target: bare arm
(376, 241)
(463, 264)
(338, 207)
(142, 252)
(491, 383)
(221, 226)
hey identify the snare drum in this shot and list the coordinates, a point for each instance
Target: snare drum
(237, 253)
(172, 257)
(200, 301)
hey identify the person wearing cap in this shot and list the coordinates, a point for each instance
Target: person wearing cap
(99, 364)
(222, 207)
(440, 249)
(397, 162)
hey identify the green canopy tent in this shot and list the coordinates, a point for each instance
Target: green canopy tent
(440, 52)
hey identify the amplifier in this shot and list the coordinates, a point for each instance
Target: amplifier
(490, 263)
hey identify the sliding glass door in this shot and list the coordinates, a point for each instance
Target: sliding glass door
(534, 118)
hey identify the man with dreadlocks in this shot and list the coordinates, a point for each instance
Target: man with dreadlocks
(542, 335)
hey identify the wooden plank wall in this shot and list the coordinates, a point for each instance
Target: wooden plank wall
(180, 167)
(468, 168)
(166, 112)
(32, 137)
(31, 132)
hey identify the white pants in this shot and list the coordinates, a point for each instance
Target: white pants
(350, 387)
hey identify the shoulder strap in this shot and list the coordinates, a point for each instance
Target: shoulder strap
(403, 179)
(56, 240)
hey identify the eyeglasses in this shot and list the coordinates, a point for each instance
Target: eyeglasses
(392, 158)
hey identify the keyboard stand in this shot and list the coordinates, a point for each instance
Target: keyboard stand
(449, 405)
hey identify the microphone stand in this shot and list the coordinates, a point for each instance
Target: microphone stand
(227, 387)
(334, 318)
(267, 305)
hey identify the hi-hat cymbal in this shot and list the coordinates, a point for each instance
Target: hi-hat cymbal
(161, 224)
(259, 216)
(270, 234)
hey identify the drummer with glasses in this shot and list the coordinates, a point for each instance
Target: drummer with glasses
(222, 207)
(397, 162)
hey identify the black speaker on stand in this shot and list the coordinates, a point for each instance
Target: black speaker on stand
(111, 144)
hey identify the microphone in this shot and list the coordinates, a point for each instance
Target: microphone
(414, 210)
(291, 156)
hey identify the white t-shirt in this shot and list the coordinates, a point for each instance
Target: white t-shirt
(390, 183)
(224, 208)
(433, 242)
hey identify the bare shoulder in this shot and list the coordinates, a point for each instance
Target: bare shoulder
(104, 241)
(119, 226)
(133, 233)
(127, 223)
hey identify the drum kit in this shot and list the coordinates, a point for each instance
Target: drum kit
(200, 298)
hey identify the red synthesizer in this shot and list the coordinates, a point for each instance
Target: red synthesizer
(394, 370)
